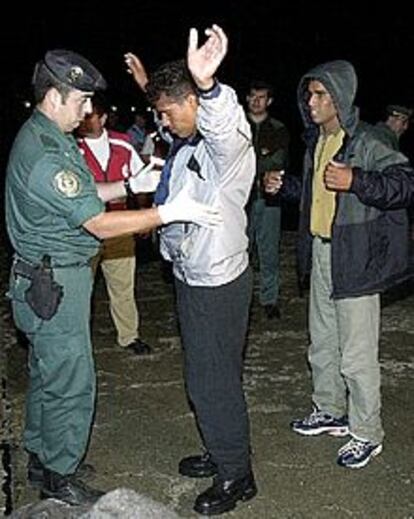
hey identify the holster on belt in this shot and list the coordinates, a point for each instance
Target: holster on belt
(44, 294)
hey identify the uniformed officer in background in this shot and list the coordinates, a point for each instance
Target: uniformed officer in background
(55, 217)
(394, 126)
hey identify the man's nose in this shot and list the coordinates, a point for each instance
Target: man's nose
(165, 122)
(87, 107)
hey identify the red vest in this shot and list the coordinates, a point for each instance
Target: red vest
(119, 163)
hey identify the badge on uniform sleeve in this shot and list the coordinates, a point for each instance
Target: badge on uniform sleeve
(67, 183)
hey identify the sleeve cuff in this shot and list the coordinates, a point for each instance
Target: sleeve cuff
(212, 92)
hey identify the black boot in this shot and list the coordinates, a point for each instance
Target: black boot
(68, 489)
(199, 466)
(35, 469)
(223, 495)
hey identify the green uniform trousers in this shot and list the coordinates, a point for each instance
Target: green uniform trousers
(61, 394)
(264, 232)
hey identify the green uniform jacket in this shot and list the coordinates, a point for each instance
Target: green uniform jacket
(386, 135)
(50, 193)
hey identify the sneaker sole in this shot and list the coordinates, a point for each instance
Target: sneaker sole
(365, 462)
(338, 432)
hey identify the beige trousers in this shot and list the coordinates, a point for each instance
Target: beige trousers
(117, 260)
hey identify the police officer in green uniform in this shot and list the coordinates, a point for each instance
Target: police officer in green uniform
(396, 123)
(56, 217)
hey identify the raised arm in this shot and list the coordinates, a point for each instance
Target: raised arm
(137, 69)
(204, 61)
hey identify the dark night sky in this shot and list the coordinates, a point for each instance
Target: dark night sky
(277, 41)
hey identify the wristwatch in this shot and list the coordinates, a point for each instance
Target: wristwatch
(128, 189)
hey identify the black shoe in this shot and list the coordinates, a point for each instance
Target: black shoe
(35, 471)
(68, 489)
(139, 347)
(222, 496)
(272, 311)
(199, 466)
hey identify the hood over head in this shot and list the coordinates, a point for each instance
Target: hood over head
(340, 80)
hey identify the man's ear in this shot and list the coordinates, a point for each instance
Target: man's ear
(269, 101)
(103, 118)
(192, 99)
(54, 97)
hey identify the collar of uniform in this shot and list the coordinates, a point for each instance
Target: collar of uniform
(50, 126)
(52, 130)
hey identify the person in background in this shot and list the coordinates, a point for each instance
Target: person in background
(390, 131)
(353, 236)
(213, 158)
(271, 142)
(154, 150)
(111, 157)
(55, 219)
(137, 132)
(395, 125)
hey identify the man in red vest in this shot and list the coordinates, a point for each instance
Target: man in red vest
(111, 157)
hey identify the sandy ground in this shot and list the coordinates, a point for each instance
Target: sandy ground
(143, 424)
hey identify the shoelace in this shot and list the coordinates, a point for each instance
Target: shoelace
(315, 417)
(354, 447)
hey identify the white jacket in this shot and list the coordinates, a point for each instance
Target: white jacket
(219, 170)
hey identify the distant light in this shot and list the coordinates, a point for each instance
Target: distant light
(149, 109)
(133, 108)
(27, 104)
(114, 108)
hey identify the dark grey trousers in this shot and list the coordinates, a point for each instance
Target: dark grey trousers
(213, 323)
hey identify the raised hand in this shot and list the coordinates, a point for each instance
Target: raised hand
(204, 61)
(137, 69)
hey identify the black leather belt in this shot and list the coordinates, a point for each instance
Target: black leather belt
(324, 240)
(25, 269)
(21, 268)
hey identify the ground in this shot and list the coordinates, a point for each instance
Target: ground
(143, 424)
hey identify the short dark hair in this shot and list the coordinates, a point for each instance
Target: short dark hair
(43, 81)
(259, 84)
(100, 103)
(172, 79)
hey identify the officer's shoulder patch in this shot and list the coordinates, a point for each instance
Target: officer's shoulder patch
(67, 183)
(49, 142)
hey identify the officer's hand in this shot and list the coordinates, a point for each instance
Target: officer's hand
(185, 209)
(147, 178)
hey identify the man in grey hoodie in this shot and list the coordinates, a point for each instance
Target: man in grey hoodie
(353, 239)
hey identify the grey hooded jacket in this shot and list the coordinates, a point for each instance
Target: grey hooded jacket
(370, 247)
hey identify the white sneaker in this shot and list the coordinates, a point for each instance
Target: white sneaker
(357, 453)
